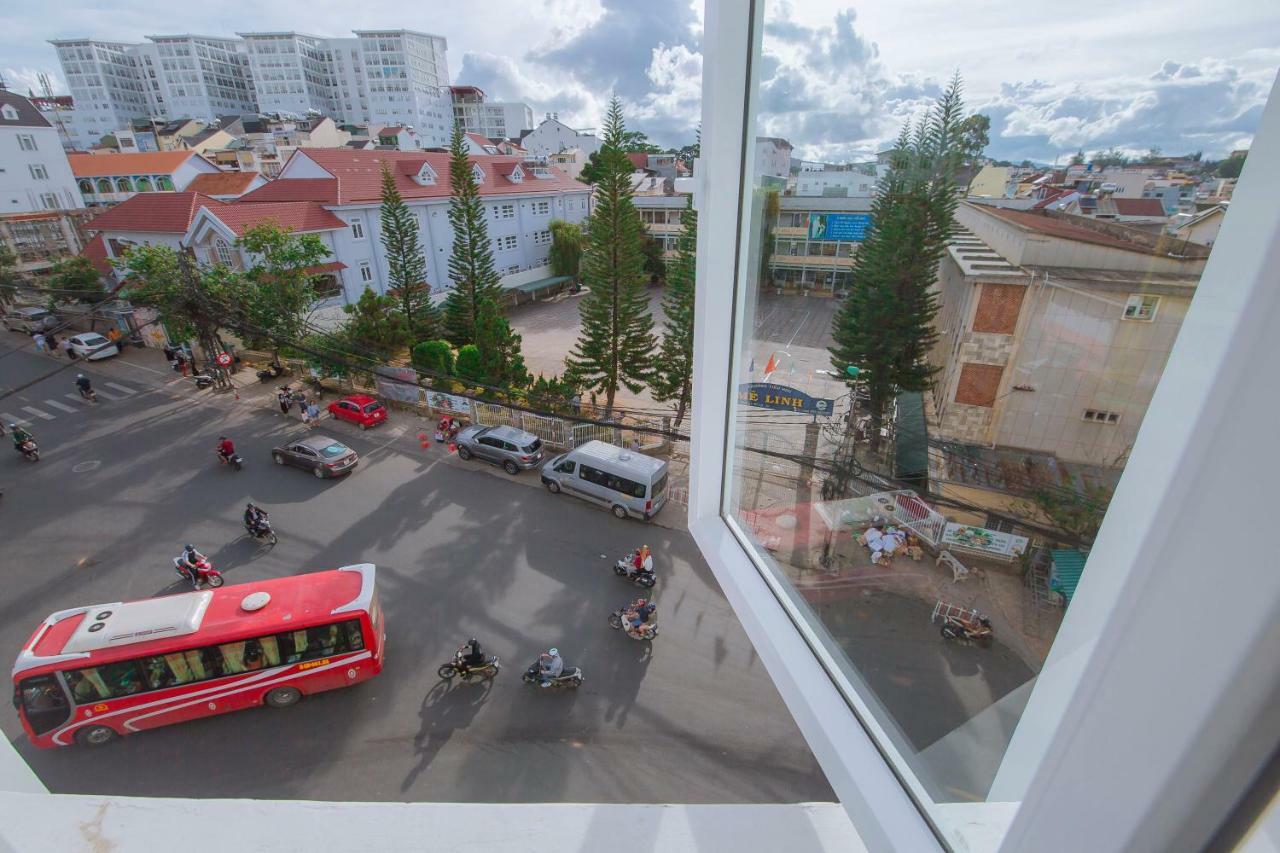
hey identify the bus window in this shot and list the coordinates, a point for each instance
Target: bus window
(355, 642)
(44, 703)
(109, 681)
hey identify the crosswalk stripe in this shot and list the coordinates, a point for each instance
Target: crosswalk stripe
(123, 388)
(76, 398)
(39, 414)
(109, 395)
(62, 406)
(14, 419)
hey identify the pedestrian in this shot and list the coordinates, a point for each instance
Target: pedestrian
(169, 352)
(51, 341)
(285, 399)
(39, 339)
(313, 413)
(65, 346)
(305, 413)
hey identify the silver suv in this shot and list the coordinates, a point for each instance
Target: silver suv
(514, 449)
(29, 320)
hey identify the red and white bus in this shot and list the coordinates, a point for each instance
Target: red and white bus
(91, 674)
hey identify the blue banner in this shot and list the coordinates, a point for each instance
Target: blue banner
(839, 226)
(766, 395)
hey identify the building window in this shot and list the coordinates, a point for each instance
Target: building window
(357, 230)
(506, 244)
(504, 211)
(1098, 416)
(38, 172)
(9, 113)
(26, 142)
(124, 185)
(541, 238)
(49, 201)
(1141, 307)
(366, 272)
(223, 252)
(511, 270)
(542, 208)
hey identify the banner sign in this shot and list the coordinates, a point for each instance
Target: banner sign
(983, 540)
(448, 402)
(405, 390)
(766, 395)
(839, 226)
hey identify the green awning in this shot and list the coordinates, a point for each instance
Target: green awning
(911, 440)
(542, 284)
(1068, 565)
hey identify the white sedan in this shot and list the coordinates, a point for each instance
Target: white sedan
(93, 346)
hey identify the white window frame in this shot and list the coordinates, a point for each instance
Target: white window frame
(222, 251)
(1133, 308)
(26, 142)
(38, 172)
(1101, 729)
(49, 201)
(10, 114)
(366, 272)
(357, 228)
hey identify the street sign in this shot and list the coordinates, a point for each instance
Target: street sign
(223, 359)
(766, 395)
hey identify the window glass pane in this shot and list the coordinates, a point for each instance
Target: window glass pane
(954, 307)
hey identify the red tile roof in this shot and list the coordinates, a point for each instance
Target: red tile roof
(479, 139)
(168, 213)
(358, 177)
(296, 189)
(1138, 207)
(300, 216)
(1054, 227)
(638, 159)
(96, 251)
(223, 183)
(143, 163)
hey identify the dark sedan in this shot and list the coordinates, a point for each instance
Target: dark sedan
(323, 457)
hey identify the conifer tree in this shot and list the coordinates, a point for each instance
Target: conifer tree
(406, 265)
(885, 328)
(616, 344)
(471, 268)
(501, 362)
(673, 373)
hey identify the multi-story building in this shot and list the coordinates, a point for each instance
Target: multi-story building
(815, 240)
(264, 144)
(837, 182)
(106, 86)
(40, 240)
(407, 77)
(35, 174)
(773, 157)
(1054, 330)
(105, 179)
(348, 93)
(553, 136)
(291, 72)
(490, 119)
(205, 76)
(337, 193)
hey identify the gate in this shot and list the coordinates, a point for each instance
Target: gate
(550, 430)
(582, 433)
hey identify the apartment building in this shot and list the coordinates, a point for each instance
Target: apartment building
(337, 193)
(106, 179)
(490, 119)
(291, 72)
(1054, 330)
(106, 87)
(206, 76)
(407, 77)
(34, 175)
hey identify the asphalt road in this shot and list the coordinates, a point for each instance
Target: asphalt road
(460, 551)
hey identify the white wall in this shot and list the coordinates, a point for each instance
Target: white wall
(19, 191)
(552, 136)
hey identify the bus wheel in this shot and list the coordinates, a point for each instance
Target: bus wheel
(283, 697)
(96, 735)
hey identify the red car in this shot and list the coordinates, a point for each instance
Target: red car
(361, 409)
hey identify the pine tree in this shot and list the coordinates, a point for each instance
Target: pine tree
(406, 265)
(471, 265)
(501, 363)
(616, 344)
(673, 373)
(885, 328)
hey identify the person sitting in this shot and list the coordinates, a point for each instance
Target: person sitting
(20, 436)
(190, 561)
(637, 615)
(253, 518)
(226, 449)
(470, 656)
(550, 665)
(82, 383)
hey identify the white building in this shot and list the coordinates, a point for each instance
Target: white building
(104, 179)
(34, 173)
(490, 119)
(106, 87)
(554, 136)
(291, 72)
(773, 157)
(206, 76)
(835, 183)
(407, 79)
(348, 93)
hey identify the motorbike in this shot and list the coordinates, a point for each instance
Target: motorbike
(203, 380)
(89, 394)
(262, 532)
(205, 573)
(29, 449)
(571, 677)
(234, 461)
(488, 669)
(271, 371)
(646, 631)
(975, 630)
(644, 577)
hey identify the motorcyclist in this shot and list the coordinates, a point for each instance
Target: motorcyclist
(637, 614)
(470, 656)
(253, 518)
(550, 665)
(642, 560)
(82, 382)
(20, 436)
(226, 449)
(189, 561)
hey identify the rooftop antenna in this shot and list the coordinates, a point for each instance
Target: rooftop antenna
(3, 84)
(46, 88)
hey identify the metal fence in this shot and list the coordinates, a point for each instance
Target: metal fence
(580, 434)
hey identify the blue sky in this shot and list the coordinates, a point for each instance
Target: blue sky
(837, 79)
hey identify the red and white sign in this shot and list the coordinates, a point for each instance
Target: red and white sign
(223, 359)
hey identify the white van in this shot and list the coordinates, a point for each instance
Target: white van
(629, 483)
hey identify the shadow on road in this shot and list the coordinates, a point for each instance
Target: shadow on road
(446, 709)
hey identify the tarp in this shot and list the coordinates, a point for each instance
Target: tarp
(1068, 565)
(911, 441)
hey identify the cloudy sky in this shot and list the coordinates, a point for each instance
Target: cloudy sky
(838, 79)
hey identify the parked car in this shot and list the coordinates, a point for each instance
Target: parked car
(30, 320)
(627, 482)
(361, 409)
(322, 456)
(93, 346)
(514, 449)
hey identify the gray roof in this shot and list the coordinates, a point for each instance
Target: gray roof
(28, 115)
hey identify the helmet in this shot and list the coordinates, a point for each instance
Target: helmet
(188, 547)
(553, 651)
(222, 438)
(472, 640)
(13, 426)
(79, 376)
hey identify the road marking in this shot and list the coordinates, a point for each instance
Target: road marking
(109, 395)
(63, 406)
(123, 388)
(38, 413)
(14, 419)
(76, 398)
